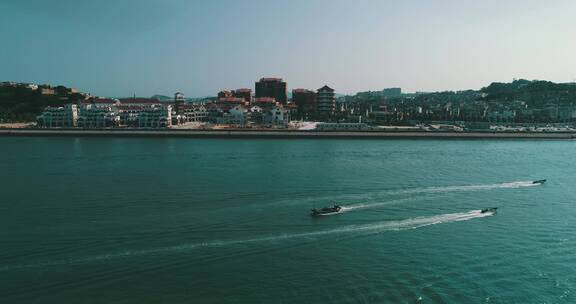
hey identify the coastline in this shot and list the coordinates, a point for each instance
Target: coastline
(284, 134)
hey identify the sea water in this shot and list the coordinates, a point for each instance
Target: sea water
(121, 220)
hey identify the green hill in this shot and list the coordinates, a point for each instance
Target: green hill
(22, 103)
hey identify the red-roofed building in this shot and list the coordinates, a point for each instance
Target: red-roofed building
(246, 94)
(136, 102)
(230, 100)
(305, 100)
(227, 103)
(102, 102)
(265, 102)
(272, 87)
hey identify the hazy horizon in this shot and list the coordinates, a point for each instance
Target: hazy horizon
(152, 47)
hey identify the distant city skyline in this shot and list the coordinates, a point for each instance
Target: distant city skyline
(121, 48)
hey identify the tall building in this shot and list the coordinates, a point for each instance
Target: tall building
(179, 100)
(246, 94)
(272, 87)
(305, 100)
(326, 100)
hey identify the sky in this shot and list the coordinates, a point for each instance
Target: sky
(123, 47)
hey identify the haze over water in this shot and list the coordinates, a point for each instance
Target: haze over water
(90, 220)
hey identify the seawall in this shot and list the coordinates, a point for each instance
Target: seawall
(284, 134)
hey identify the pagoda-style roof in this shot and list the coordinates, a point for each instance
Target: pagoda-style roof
(326, 88)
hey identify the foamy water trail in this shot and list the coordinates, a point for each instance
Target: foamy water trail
(424, 190)
(378, 227)
(511, 185)
(447, 189)
(374, 205)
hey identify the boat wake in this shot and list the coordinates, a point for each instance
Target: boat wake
(439, 190)
(374, 195)
(511, 185)
(374, 205)
(413, 223)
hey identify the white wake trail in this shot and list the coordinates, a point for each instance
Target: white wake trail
(378, 227)
(432, 190)
(511, 185)
(341, 199)
(374, 205)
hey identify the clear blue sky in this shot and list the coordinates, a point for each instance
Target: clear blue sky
(118, 47)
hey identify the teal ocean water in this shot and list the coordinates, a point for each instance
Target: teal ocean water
(103, 220)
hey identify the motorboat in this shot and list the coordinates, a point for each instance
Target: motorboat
(539, 182)
(326, 210)
(489, 210)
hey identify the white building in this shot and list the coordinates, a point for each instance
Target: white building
(156, 116)
(178, 96)
(276, 116)
(129, 115)
(59, 117)
(194, 112)
(177, 115)
(91, 116)
(235, 116)
(255, 115)
(103, 102)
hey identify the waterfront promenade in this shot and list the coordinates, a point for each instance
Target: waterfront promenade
(285, 134)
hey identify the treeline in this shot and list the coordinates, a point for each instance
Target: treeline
(535, 93)
(20, 103)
